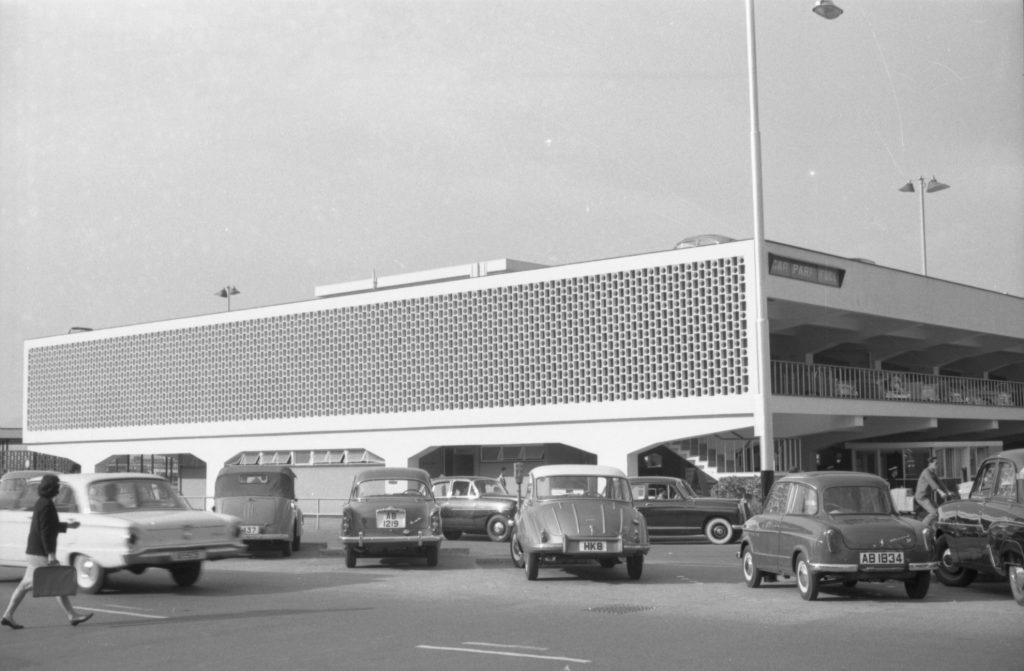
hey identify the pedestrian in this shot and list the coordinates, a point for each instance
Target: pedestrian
(503, 479)
(927, 483)
(42, 551)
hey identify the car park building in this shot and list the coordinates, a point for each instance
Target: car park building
(646, 362)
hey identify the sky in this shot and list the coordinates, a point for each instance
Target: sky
(155, 151)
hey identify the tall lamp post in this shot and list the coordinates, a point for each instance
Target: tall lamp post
(227, 292)
(763, 427)
(932, 186)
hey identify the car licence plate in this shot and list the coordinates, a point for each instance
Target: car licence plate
(881, 558)
(390, 519)
(188, 555)
(595, 546)
(250, 530)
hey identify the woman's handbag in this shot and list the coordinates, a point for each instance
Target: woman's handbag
(54, 581)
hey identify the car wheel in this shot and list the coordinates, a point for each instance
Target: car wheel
(186, 573)
(516, 551)
(917, 587)
(350, 557)
(718, 531)
(432, 552)
(532, 564)
(91, 575)
(1016, 575)
(296, 539)
(453, 535)
(949, 573)
(807, 581)
(751, 574)
(635, 566)
(498, 528)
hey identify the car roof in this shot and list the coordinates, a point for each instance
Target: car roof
(11, 475)
(86, 478)
(447, 478)
(257, 468)
(393, 472)
(1016, 456)
(833, 478)
(576, 469)
(654, 478)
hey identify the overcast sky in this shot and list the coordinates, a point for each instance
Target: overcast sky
(152, 152)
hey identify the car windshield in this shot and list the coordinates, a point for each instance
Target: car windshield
(390, 487)
(109, 496)
(857, 500)
(585, 486)
(255, 484)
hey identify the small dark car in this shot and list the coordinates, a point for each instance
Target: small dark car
(835, 526)
(673, 509)
(391, 513)
(984, 533)
(474, 505)
(262, 497)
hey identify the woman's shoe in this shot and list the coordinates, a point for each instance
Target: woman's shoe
(11, 623)
(79, 619)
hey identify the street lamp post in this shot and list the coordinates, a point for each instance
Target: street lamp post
(227, 292)
(932, 186)
(763, 426)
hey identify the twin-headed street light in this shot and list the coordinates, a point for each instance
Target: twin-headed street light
(932, 186)
(227, 292)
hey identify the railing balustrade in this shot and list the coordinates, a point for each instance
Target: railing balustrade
(800, 379)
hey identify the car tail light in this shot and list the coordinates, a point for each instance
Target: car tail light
(929, 538)
(435, 522)
(832, 540)
(346, 524)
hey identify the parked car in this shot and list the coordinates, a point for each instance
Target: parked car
(984, 533)
(130, 521)
(578, 513)
(391, 512)
(835, 526)
(673, 509)
(263, 498)
(474, 505)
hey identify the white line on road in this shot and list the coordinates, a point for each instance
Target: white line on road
(503, 645)
(122, 612)
(503, 654)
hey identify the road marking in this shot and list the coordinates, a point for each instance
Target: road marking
(503, 653)
(503, 645)
(122, 612)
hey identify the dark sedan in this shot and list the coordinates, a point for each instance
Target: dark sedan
(474, 505)
(984, 533)
(673, 509)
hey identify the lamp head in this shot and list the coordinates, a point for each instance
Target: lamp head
(827, 10)
(908, 187)
(935, 185)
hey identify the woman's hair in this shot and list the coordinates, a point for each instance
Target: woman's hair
(49, 486)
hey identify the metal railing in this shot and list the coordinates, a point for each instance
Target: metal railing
(799, 379)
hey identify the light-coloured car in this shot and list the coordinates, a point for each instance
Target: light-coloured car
(262, 497)
(578, 513)
(129, 521)
(391, 513)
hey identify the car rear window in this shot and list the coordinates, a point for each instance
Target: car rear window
(857, 500)
(582, 486)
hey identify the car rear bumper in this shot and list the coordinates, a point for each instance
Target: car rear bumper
(912, 567)
(364, 540)
(173, 555)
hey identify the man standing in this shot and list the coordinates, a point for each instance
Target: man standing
(927, 483)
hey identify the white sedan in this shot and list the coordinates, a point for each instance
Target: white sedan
(130, 521)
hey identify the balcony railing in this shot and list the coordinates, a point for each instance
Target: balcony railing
(798, 379)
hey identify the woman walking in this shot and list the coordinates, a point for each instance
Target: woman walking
(42, 551)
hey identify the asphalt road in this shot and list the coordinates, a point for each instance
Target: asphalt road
(690, 610)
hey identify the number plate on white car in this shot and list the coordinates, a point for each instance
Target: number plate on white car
(390, 519)
(881, 558)
(188, 555)
(250, 530)
(595, 546)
